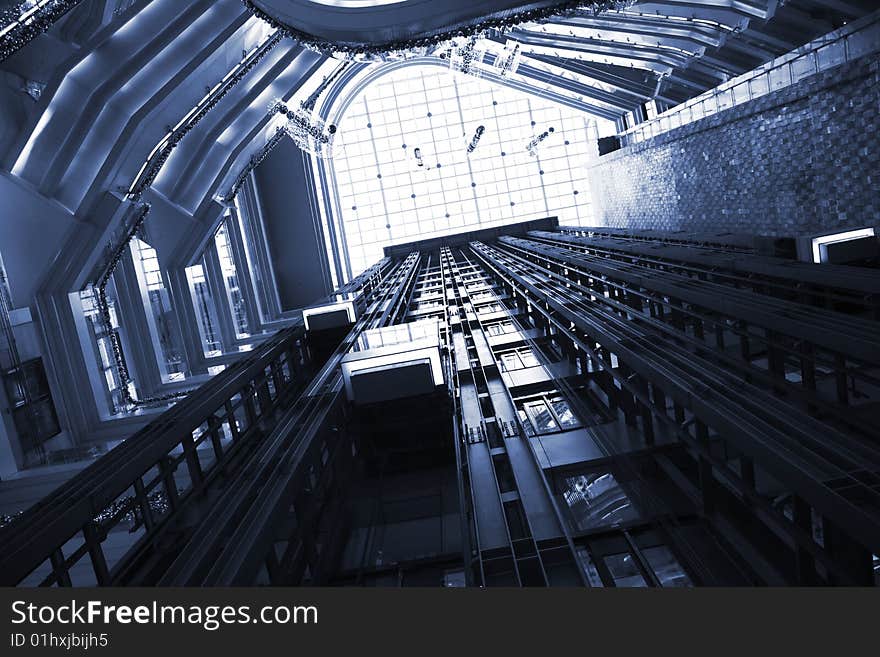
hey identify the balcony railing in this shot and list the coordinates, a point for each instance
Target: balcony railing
(116, 506)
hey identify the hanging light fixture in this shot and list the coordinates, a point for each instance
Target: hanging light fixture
(465, 55)
(532, 146)
(507, 61)
(308, 130)
(475, 139)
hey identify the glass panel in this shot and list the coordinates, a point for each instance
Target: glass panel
(528, 358)
(779, 77)
(803, 66)
(831, 55)
(666, 567)
(388, 193)
(527, 424)
(160, 313)
(625, 571)
(725, 99)
(566, 417)
(541, 417)
(103, 352)
(230, 280)
(597, 500)
(759, 85)
(741, 93)
(510, 362)
(423, 329)
(206, 312)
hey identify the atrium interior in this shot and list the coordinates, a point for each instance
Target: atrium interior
(406, 293)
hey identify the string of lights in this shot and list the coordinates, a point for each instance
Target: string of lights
(106, 319)
(464, 56)
(254, 162)
(304, 126)
(24, 22)
(169, 142)
(403, 47)
(142, 181)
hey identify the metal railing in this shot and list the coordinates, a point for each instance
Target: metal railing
(24, 22)
(851, 42)
(137, 486)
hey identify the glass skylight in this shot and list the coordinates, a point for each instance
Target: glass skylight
(405, 172)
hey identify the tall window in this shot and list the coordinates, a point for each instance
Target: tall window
(406, 172)
(206, 311)
(230, 280)
(103, 346)
(160, 313)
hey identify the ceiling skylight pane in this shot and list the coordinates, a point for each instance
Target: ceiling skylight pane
(405, 172)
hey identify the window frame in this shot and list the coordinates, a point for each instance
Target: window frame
(547, 398)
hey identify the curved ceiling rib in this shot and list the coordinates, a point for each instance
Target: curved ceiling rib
(111, 100)
(382, 22)
(238, 129)
(130, 104)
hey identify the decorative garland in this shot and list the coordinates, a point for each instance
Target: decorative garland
(254, 162)
(18, 37)
(113, 334)
(136, 190)
(278, 107)
(378, 50)
(146, 178)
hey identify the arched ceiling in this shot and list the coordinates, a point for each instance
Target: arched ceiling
(378, 22)
(90, 98)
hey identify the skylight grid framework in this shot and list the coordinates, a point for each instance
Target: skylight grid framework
(405, 171)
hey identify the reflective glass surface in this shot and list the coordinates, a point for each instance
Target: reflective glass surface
(597, 500)
(540, 416)
(400, 334)
(567, 420)
(666, 567)
(624, 570)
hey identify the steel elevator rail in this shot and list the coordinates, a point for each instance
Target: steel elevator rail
(476, 374)
(781, 439)
(849, 448)
(851, 336)
(839, 282)
(522, 468)
(642, 298)
(663, 516)
(823, 285)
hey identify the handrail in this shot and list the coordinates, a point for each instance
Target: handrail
(220, 416)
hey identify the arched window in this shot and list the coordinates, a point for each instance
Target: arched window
(428, 152)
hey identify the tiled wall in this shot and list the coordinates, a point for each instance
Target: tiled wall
(802, 159)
